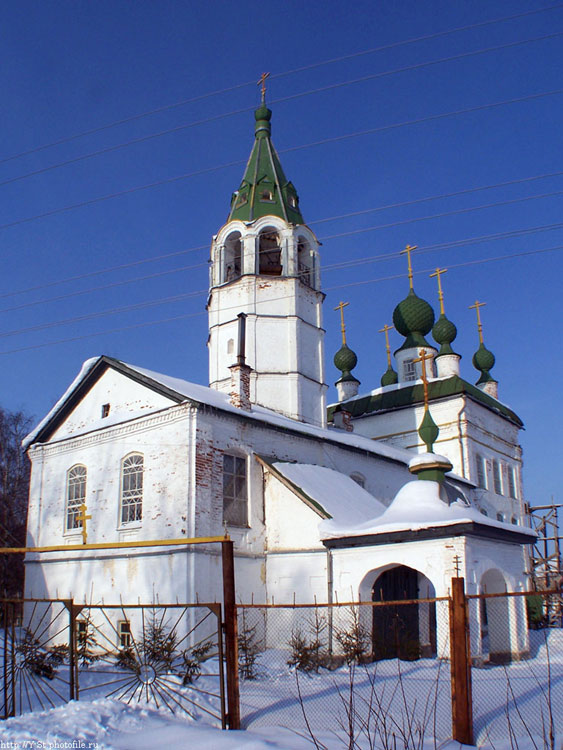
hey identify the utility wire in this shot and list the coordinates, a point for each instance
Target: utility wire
(346, 264)
(197, 314)
(207, 170)
(322, 89)
(281, 74)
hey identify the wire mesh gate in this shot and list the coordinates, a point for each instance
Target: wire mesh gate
(166, 655)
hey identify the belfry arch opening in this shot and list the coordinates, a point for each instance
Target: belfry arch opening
(232, 257)
(269, 253)
(404, 631)
(305, 262)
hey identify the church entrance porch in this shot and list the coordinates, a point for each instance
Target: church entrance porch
(405, 629)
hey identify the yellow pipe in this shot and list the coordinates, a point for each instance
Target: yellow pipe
(114, 545)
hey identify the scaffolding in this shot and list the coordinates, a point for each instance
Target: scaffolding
(546, 559)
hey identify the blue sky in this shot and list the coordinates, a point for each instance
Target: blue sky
(72, 67)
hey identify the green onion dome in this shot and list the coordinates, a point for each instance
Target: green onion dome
(444, 332)
(345, 360)
(389, 377)
(413, 318)
(428, 431)
(483, 360)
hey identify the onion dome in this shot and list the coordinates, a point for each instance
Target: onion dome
(413, 318)
(428, 430)
(484, 360)
(389, 377)
(444, 332)
(345, 360)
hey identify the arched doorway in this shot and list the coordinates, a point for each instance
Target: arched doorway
(404, 631)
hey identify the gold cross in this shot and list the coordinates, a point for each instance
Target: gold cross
(476, 307)
(408, 250)
(386, 330)
(82, 517)
(440, 292)
(341, 307)
(262, 83)
(422, 358)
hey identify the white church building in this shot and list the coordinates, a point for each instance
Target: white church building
(321, 503)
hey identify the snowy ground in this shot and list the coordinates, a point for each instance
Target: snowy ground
(274, 718)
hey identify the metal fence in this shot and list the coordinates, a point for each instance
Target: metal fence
(377, 669)
(482, 668)
(517, 672)
(166, 655)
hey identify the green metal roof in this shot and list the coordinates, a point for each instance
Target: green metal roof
(265, 190)
(414, 394)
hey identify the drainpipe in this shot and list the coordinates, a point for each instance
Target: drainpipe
(460, 438)
(330, 586)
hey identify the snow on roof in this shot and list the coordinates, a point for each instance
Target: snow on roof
(337, 493)
(219, 400)
(416, 506)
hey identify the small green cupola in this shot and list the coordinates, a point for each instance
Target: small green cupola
(429, 466)
(444, 333)
(345, 360)
(265, 190)
(483, 359)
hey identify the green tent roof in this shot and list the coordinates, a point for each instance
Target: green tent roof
(265, 190)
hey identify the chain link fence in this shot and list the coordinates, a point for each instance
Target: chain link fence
(376, 670)
(517, 668)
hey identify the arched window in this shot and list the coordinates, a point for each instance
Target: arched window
(75, 496)
(514, 521)
(500, 517)
(132, 488)
(305, 262)
(511, 481)
(358, 478)
(232, 257)
(269, 253)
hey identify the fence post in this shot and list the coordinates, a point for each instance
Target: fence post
(231, 628)
(462, 705)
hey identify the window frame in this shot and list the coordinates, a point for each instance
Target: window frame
(72, 505)
(497, 477)
(235, 503)
(135, 501)
(409, 370)
(125, 637)
(481, 468)
(511, 481)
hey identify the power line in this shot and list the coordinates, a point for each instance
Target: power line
(192, 315)
(177, 178)
(281, 74)
(322, 89)
(511, 233)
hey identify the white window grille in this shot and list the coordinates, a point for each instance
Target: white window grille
(124, 632)
(409, 370)
(497, 479)
(132, 488)
(235, 504)
(76, 495)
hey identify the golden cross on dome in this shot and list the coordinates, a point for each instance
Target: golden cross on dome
(476, 307)
(262, 83)
(408, 250)
(437, 274)
(341, 307)
(386, 330)
(423, 356)
(82, 517)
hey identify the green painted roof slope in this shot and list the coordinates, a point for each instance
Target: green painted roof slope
(265, 190)
(414, 394)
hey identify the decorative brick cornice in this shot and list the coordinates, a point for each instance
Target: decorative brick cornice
(171, 414)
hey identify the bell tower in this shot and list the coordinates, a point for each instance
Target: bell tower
(265, 263)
